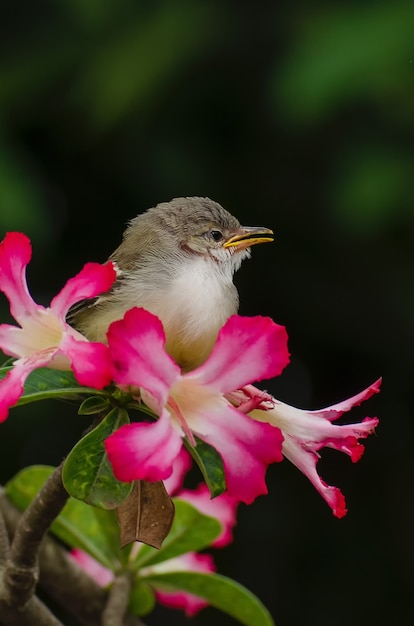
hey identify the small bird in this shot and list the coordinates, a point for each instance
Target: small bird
(177, 260)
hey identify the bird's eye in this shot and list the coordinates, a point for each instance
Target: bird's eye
(216, 235)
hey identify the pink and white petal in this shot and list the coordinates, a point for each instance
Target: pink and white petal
(315, 432)
(311, 426)
(247, 447)
(345, 437)
(306, 460)
(15, 254)
(336, 410)
(191, 562)
(136, 345)
(13, 340)
(181, 466)
(11, 387)
(223, 508)
(92, 280)
(91, 362)
(99, 573)
(144, 451)
(189, 603)
(247, 349)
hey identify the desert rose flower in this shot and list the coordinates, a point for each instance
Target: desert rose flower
(190, 562)
(305, 433)
(194, 404)
(42, 337)
(223, 508)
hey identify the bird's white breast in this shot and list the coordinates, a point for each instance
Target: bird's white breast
(193, 300)
(193, 306)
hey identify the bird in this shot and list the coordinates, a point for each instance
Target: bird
(176, 260)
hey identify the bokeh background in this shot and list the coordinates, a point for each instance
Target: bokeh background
(296, 115)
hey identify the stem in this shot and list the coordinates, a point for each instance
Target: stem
(64, 581)
(22, 570)
(34, 612)
(4, 542)
(118, 599)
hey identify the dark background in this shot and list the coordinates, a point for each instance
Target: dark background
(294, 115)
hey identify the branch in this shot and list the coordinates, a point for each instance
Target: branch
(34, 611)
(118, 599)
(63, 580)
(4, 542)
(22, 569)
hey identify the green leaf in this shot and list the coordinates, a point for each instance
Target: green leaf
(211, 465)
(79, 525)
(221, 592)
(45, 382)
(191, 531)
(93, 405)
(87, 473)
(141, 599)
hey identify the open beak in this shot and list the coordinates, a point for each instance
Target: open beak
(248, 236)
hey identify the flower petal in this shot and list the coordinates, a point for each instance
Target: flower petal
(13, 340)
(248, 349)
(181, 466)
(11, 387)
(336, 410)
(143, 451)
(305, 461)
(246, 450)
(91, 362)
(99, 573)
(15, 254)
(223, 508)
(307, 432)
(136, 345)
(190, 562)
(92, 280)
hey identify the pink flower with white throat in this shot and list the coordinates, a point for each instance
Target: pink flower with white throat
(305, 433)
(42, 337)
(194, 404)
(177, 599)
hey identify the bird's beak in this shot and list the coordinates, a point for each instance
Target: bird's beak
(248, 236)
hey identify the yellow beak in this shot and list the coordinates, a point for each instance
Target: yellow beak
(248, 236)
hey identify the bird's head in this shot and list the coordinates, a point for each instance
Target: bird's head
(199, 226)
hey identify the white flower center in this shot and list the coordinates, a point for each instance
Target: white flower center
(41, 332)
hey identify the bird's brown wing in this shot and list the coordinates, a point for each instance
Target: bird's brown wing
(82, 310)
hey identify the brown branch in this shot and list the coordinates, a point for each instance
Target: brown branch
(63, 580)
(118, 599)
(4, 541)
(22, 569)
(34, 611)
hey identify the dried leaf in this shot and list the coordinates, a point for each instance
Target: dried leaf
(146, 515)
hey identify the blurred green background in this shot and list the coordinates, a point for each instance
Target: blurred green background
(295, 115)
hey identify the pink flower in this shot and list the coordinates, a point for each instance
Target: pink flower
(43, 338)
(222, 508)
(98, 572)
(307, 432)
(181, 465)
(190, 562)
(193, 404)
